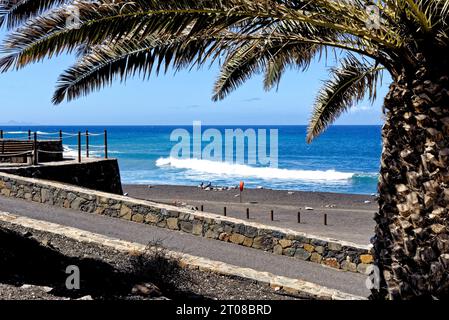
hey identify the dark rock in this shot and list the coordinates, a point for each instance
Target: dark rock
(186, 226)
(146, 290)
(302, 254)
(317, 242)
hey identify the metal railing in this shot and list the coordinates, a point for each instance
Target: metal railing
(41, 136)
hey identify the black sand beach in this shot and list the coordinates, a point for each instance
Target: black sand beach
(349, 216)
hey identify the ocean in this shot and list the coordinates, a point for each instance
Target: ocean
(344, 159)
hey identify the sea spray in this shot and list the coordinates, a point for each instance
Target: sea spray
(240, 170)
(247, 146)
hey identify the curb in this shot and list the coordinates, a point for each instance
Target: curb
(293, 286)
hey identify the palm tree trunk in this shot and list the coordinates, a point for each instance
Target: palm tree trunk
(411, 246)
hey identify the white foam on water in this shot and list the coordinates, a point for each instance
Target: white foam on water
(69, 152)
(15, 132)
(241, 170)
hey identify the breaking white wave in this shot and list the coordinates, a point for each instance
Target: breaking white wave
(68, 152)
(242, 170)
(32, 132)
(15, 132)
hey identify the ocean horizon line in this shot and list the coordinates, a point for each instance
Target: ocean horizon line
(329, 164)
(181, 125)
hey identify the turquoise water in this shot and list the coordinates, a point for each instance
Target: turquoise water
(344, 159)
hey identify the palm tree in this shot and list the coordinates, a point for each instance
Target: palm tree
(406, 38)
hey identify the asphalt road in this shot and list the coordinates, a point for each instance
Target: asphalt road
(175, 240)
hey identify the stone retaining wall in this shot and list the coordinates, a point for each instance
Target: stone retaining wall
(52, 150)
(329, 252)
(97, 174)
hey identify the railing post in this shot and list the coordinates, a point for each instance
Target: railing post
(36, 152)
(87, 143)
(29, 134)
(60, 135)
(79, 146)
(105, 144)
(1, 134)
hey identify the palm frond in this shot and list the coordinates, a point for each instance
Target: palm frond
(419, 14)
(15, 12)
(239, 66)
(298, 57)
(348, 85)
(115, 39)
(49, 34)
(105, 63)
(261, 56)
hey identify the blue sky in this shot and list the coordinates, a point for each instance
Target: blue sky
(170, 99)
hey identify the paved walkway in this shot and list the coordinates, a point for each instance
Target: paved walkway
(174, 240)
(349, 219)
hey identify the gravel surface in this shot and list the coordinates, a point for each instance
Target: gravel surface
(12, 292)
(117, 269)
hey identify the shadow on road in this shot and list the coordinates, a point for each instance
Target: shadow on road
(24, 260)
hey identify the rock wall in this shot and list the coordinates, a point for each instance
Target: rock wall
(98, 174)
(329, 252)
(50, 150)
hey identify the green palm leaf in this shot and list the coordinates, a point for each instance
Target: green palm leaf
(16, 12)
(118, 38)
(349, 84)
(48, 34)
(261, 56)
(102, 64)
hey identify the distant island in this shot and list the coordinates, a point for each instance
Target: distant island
(17, 123)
